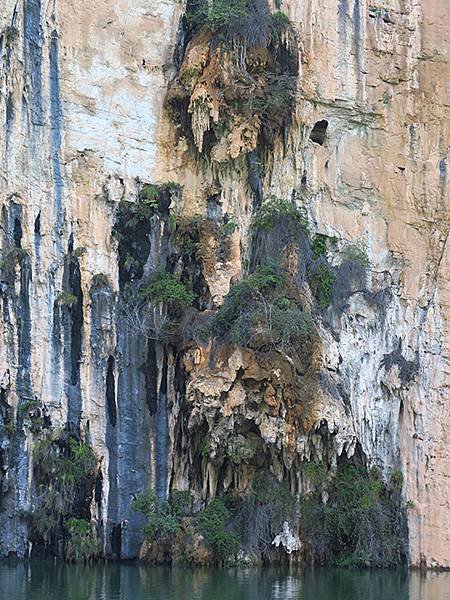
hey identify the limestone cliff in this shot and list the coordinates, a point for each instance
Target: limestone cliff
(133, 143)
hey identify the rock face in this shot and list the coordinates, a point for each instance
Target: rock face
(98, 102)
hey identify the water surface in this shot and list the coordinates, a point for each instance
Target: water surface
(39, 580)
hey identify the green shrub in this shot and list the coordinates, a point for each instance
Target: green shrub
(279, 22)
(256, 311)
(217, 15)
(27, 406)
(360, 525)
(228, 228)
(63, 467)
(243, 296)
(319, 245)
(321, 281)
(81, 545)
(163, 517)
(149, 196)
(166, 288)
(274, 210)
(205, 447)
(213, 523)
(67, 299)
(397, 480)
(273, 103)
(100, 281)
(290, 327)
(316, 472)
(259, 516)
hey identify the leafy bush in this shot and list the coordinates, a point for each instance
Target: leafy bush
(242, 297)
(64, 467)
(100, 281)
(67, 299)
(82, 545)
(163, 518)
(274, 210)
(257, 312)
(397, 480)
(319, 245)
(279, 22)
(360, 525)
(218, 15)
(166, 288)
(321, 281)
(213, 523)
(316, 472)
(259, 516)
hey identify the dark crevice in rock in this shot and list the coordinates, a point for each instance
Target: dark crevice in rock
(116, 540)
(77, 321)
(162, 434)
(72, 320)
(56, 136)
(111, 391)
(151, 378)
(318, 132)
(408, 369)
(17, 235)
(33, 37)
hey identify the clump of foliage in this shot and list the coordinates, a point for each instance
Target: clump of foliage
(315, 472)
(258, 312)
(279, 22)
(277, 210)
(273, 103)
(321, 280)
(64, 470)
(360, 525)
(224, 16)
(188, 233)
(352, 253)
(28, 406)
(100, 281)
(81, 545)
(228, 523)
(30, 411)
(319, 245)
(166, 288)
(240, 30)
(193, 238)
(214, 524)
(163, 517)
(66, 298)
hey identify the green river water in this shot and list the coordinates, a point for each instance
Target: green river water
(48, 581)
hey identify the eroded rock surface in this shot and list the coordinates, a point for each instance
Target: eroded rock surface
(98, 101)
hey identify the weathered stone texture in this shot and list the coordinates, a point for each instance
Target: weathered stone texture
(82, 89)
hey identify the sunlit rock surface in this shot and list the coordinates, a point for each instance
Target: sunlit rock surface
(85, 122)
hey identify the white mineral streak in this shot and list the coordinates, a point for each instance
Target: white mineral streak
(288, 539)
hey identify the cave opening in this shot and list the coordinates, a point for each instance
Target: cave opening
(318, 132)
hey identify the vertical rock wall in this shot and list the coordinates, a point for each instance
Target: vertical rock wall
(84, 126)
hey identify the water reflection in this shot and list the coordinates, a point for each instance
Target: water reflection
(48, 581)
